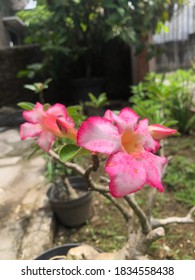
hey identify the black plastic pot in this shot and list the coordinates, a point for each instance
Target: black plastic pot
(75, 212)
(57, 251)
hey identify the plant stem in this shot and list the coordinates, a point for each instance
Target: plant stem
(71, 191)
(70, 165)
(145, 224)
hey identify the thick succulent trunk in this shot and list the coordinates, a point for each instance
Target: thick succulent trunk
(138, 244)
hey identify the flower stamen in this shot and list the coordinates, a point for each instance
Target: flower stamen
(131, 142)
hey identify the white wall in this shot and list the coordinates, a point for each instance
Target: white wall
(181, 25)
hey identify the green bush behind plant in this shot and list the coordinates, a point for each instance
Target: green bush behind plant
(166, 99)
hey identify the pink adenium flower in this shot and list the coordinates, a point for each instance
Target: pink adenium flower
(130, 144)
(42, 125)
(159, 132)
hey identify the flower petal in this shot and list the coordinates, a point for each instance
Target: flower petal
(57, 110)
(126, 174)
(119, 122)
(99, 135)
(46, 140)
(159, 132)
(29, 130)
(149, 143)
(154, 166)
(129, 116)
(66, 128)
(35, 115)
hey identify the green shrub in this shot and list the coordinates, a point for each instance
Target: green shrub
(166, 97)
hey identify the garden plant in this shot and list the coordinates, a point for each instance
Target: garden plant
(118, 153)
(171, 97)
(126, 148)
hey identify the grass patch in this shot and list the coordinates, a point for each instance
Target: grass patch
(180, 178)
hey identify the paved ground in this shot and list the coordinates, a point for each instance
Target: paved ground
(26, 222)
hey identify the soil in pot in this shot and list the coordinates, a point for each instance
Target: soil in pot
(71, 212)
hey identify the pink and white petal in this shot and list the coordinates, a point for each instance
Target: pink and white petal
(69, 119)
(129, 116)
(126, 174)
(149, 143)
(57, 110)
(35, 115)
(159, 132)
(109, 115)
(46, 140)
(29, 130)
(118, 121)
(154, 166)
(99, 135)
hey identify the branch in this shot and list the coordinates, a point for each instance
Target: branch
(121, 209)
(171, 220)
(71, 191)
(92, 185)
(152, 192)
(154, 235)
(145, 224)
(70, 165)
(101, 190)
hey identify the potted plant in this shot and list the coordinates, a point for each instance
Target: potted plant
(96, 104)
(71, 200)
(126, 148)
(68, 195)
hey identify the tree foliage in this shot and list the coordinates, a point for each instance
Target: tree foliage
(71, 28)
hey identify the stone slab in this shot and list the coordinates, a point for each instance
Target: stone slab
(8, 175)
(9, 161)
(5, 149)
(10, 136)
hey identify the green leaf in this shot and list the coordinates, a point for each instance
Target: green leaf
(109, 4)
(26, 105)
(46, 106)
(161, 27)
(121, 11)
(92, 97)
(22, 73)
(30, 87)
(76, 113)
(71, 151)
(83, 27)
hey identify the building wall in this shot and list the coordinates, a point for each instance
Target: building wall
(19, 4)
(176, 48)
(3, 39)
(5, 10)
(12, 60)
(175, 55)
(181, 26)
(5, 7)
